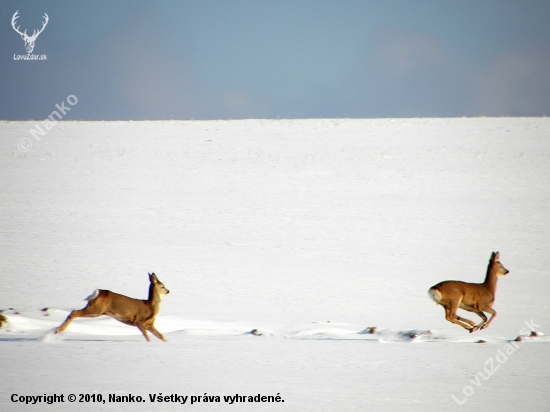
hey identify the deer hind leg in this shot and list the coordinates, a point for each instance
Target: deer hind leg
(450, 315)
(90, 311)
(493, 314)
(64, 325)
(468, 321)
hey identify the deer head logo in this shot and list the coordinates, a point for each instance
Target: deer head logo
(29, 40)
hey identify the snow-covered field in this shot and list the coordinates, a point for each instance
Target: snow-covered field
(309, 231)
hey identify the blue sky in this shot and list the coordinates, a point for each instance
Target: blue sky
(290, 59)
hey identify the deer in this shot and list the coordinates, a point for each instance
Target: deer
(29, 40)
(130, 311)
(473, 297)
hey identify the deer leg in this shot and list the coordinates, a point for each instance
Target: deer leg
(88, 312)
(143, 331)
(477, 312)
(64, 325)
(493, 314)
(450, 315)
(477, 327)
(468, 321)
(483, 319)
(155, 332)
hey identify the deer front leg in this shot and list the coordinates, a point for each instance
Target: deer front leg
(450, 315)
(477, 312)
(155, 332)
(143, 331)
(493, 315)
(483, 320)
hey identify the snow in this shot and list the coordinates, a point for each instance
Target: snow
(306, 232)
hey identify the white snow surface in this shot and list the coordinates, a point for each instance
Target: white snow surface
(306, 231)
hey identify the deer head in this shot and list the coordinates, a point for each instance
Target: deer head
(495, 265)
(29, 40)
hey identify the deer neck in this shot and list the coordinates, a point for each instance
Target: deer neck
(491, 279)
(154, 298)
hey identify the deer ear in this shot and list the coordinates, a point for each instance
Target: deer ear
(153, 278)
(497, 256)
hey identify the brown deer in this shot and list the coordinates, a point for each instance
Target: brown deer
(133, 312)
(473, 297)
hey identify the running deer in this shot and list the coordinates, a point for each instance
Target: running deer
(133, 312)
(473, 297)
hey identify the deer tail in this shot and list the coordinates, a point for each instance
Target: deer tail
(434, 294)
(94, 295)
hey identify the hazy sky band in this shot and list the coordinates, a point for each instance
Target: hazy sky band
(294, 59)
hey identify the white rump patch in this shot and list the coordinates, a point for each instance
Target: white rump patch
(435, 295)
(93, 295)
